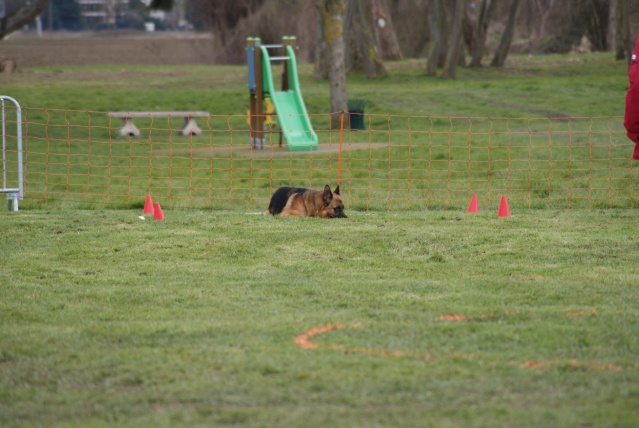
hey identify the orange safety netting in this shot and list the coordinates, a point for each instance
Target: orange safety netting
(394, 163)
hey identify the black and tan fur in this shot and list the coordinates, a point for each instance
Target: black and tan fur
(297, 201)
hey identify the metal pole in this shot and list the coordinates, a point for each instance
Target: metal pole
(20, 193)
(20, 163)
(4, 150)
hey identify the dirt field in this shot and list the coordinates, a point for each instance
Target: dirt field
(104, 47)
(271, 151)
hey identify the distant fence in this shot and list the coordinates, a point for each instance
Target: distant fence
(74, 158)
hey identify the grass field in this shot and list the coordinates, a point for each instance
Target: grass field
(546, 131)
(215, 318)
(408, 313)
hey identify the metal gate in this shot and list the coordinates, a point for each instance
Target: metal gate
(12, 167)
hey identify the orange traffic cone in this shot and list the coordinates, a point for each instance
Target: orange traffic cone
(148, 205)
(504, 211)
(472, 208)
(157, 212)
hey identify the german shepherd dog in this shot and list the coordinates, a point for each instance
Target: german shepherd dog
(297, 201)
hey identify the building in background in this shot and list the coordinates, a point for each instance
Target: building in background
(97, 13)
(129, 14)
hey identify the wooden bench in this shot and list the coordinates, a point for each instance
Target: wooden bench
(128, 129)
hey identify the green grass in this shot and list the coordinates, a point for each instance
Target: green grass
(546, 131)
(537, 86)
(106, 319)
(413, 312)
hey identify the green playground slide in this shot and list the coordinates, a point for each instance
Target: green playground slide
(289, 105)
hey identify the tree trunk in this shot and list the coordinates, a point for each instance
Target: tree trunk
(469, 36)
(224, 18)
(507, 37)
(485, 16)
(332, 16)
(362, 55)
(385, 37)
(598, 24)
(320, 70)
(437, 39)
(455, 41)
(612, 21)
(19, 14)
(544, 12)
(623, 45)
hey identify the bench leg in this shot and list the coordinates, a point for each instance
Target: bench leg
(128, 129)
(189, 127)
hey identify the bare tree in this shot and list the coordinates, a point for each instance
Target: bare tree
(411, 21)
(623, 39)
(448, 32)
(455, 42)
(437, 37)
(486, 11)
(595, 19)
(224, 18)
(320, 69)
(612, 27)
(507, 37)
(332, 18)
(385, 37)
(363, 54)
(544, 11)
(18, 13)
(15, 14)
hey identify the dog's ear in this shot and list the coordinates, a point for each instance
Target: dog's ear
(336, 190)
(328, 196)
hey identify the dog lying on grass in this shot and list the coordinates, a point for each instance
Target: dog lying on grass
(300, 202)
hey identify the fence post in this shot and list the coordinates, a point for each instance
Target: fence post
(13, 194)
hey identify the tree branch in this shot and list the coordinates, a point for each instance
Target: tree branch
(21, 16)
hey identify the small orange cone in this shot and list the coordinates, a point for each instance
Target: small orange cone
(157, 212)
(504, 211)
(472, 208)
(148, 205)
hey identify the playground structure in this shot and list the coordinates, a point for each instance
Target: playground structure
(290, 110)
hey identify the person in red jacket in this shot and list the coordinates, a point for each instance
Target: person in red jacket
(631, 118)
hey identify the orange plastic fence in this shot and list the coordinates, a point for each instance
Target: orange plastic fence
(75, 158)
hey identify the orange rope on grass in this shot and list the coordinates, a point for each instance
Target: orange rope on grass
(304, 341)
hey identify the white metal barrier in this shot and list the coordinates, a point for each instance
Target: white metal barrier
(14, 194)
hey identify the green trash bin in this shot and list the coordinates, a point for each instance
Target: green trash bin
(356, 113)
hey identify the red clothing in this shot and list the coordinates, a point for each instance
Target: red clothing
(631, 119)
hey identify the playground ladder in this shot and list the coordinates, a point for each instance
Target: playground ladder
(276, 58)
(13, 193)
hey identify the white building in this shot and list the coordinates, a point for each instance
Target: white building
(102, 12)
